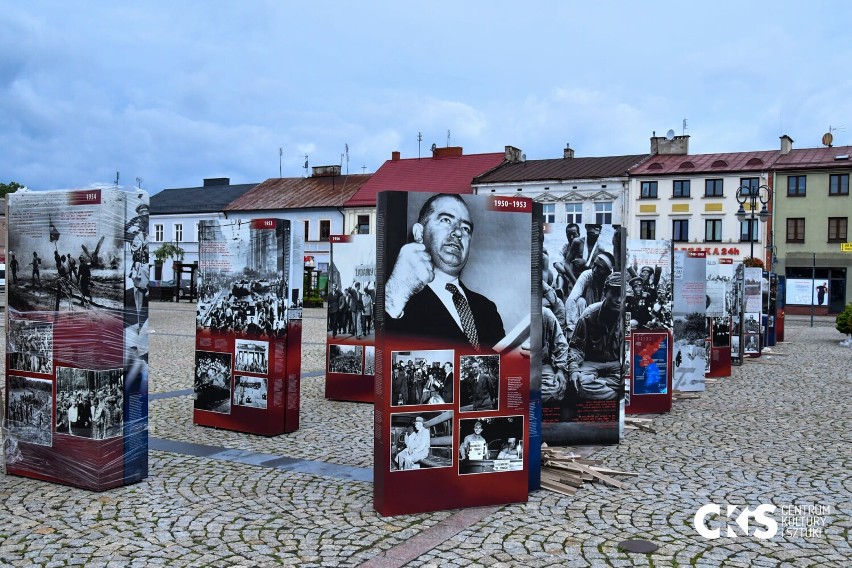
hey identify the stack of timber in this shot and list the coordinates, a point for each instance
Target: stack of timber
(685, 395)
(637, 423)
(563, 472)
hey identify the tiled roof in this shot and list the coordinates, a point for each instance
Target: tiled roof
(807, 158)
(704, 163)
(205, 199)
(451, 174)
(562, 168)
(300, 193)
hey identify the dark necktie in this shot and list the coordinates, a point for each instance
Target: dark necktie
(463, 308)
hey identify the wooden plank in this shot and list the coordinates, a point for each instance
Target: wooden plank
(605, 478)
(556, 488)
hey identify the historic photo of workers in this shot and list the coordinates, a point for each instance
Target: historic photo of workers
(69, 246)
(90, 403)
(345, 359)
(244, 287)
(250, 391)
(421, 440)
(422, 377)
(213, 382)
(30, 410)
(446, 268)
(491, 444)
(30, 346)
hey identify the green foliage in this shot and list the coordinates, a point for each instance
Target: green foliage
(11, 187)
(843, 323)
(168, 250)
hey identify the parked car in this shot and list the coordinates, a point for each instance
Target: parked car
(184, 286)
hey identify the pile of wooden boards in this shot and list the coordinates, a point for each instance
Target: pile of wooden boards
(637, 423)
(563, 472)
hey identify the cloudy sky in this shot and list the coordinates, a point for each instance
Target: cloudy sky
(175, 91)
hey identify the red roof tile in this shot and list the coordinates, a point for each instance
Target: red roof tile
(806, 158)
(705, 163)
(562, 168)
(452, 174)
(300, 193)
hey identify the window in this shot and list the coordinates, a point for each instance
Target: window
(837, 229)
(713, 188)
(178, 232)
(325, 229)
(838, 184)
(603, 213)
(549, 210)
(307, 231)
(363, 224)
(796, 186)
(680, 230)
(648, 230)
(752, 185)
(649, 190)
(796, 230)
(713, 230)
(680, 188)
(748, 230)
(158, 233)
(574, 213)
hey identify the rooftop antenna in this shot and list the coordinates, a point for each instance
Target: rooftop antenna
(306, 165)
(419, 140)
(684, 127)
(448, 138)
(280, 160)
(364, 169)
(117, 176)
(347, 157)
(139, 182)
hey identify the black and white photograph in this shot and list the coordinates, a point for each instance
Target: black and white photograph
(479, 383)
(250, 391)
(690, 351)
(243, 278)
(69, 250)
(137, 261)
(370, 360)
(751, 324)
(29, 345)
(721, 331)
(447, 258)
(489, 445)
(352, 288)
(252, 356)
(346, 359)
(30, 410)
(649, 279)
(752, 343)
(90, 403)
(213, 382)
(421, 440)
(422, 377)
(735, 345)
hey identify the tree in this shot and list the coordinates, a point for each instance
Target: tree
(11, 187)
(169, 250)
(843, 323)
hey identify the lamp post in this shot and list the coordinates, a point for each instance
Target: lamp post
(751, 195)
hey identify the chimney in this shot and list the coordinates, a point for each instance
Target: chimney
(210, 182)
(513, 155)
(786, 145)
(677, 146)
(448, 152)
(325, 171)
(395, 156)
(568, 152)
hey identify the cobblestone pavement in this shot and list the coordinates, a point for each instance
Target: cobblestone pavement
(776, 432)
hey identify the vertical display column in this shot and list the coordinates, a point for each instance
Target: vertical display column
(691, 353)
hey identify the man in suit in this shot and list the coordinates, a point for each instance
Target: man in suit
(483, 388)
(424, 296)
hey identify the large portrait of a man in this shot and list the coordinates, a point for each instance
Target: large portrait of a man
(456, 271)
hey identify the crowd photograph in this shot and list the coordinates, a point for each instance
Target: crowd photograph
(90, 403)
(29, 345)
(422, 377)
(213, 382)
(252, 356)
(352, 288)
(346, 359)
(30, 410)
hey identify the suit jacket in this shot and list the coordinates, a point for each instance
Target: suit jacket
(425, 316)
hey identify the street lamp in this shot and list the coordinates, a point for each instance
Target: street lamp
(752, 194)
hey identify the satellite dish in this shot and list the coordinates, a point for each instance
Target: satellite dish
(670, 135)
(523, 157)
(827, 139)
